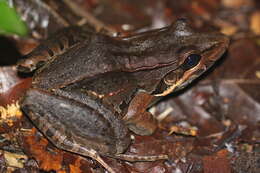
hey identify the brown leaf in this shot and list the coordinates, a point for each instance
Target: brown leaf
(217, 163)
(38, 149)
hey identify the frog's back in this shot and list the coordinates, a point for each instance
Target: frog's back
(80, 62)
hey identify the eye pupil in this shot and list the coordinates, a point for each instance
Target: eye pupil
(191, 61)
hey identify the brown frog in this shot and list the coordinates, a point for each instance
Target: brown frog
(85, 99)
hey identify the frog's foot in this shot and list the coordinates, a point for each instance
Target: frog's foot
(135, 158)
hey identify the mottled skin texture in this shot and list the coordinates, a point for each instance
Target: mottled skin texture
(86, 98)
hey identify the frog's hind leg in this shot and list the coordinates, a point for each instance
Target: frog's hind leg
(48, 114)
(94, 155)
(135, 158)
(61, 142)
(55, 45)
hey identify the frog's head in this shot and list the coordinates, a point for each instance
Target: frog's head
(197, 53)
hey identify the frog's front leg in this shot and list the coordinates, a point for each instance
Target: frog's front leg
(138, 119)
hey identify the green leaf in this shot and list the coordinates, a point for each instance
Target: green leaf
(10, 22)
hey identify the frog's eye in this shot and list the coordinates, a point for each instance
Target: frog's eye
(191, 61)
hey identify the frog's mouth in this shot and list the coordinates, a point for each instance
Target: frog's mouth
(179, 78)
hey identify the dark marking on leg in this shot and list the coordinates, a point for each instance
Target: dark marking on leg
(44, 125)
(61, 45)
(50, 52)
(71, 40)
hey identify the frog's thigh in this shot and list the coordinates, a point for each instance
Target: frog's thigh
(68, 124)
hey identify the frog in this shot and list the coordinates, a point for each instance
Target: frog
(90, 91)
